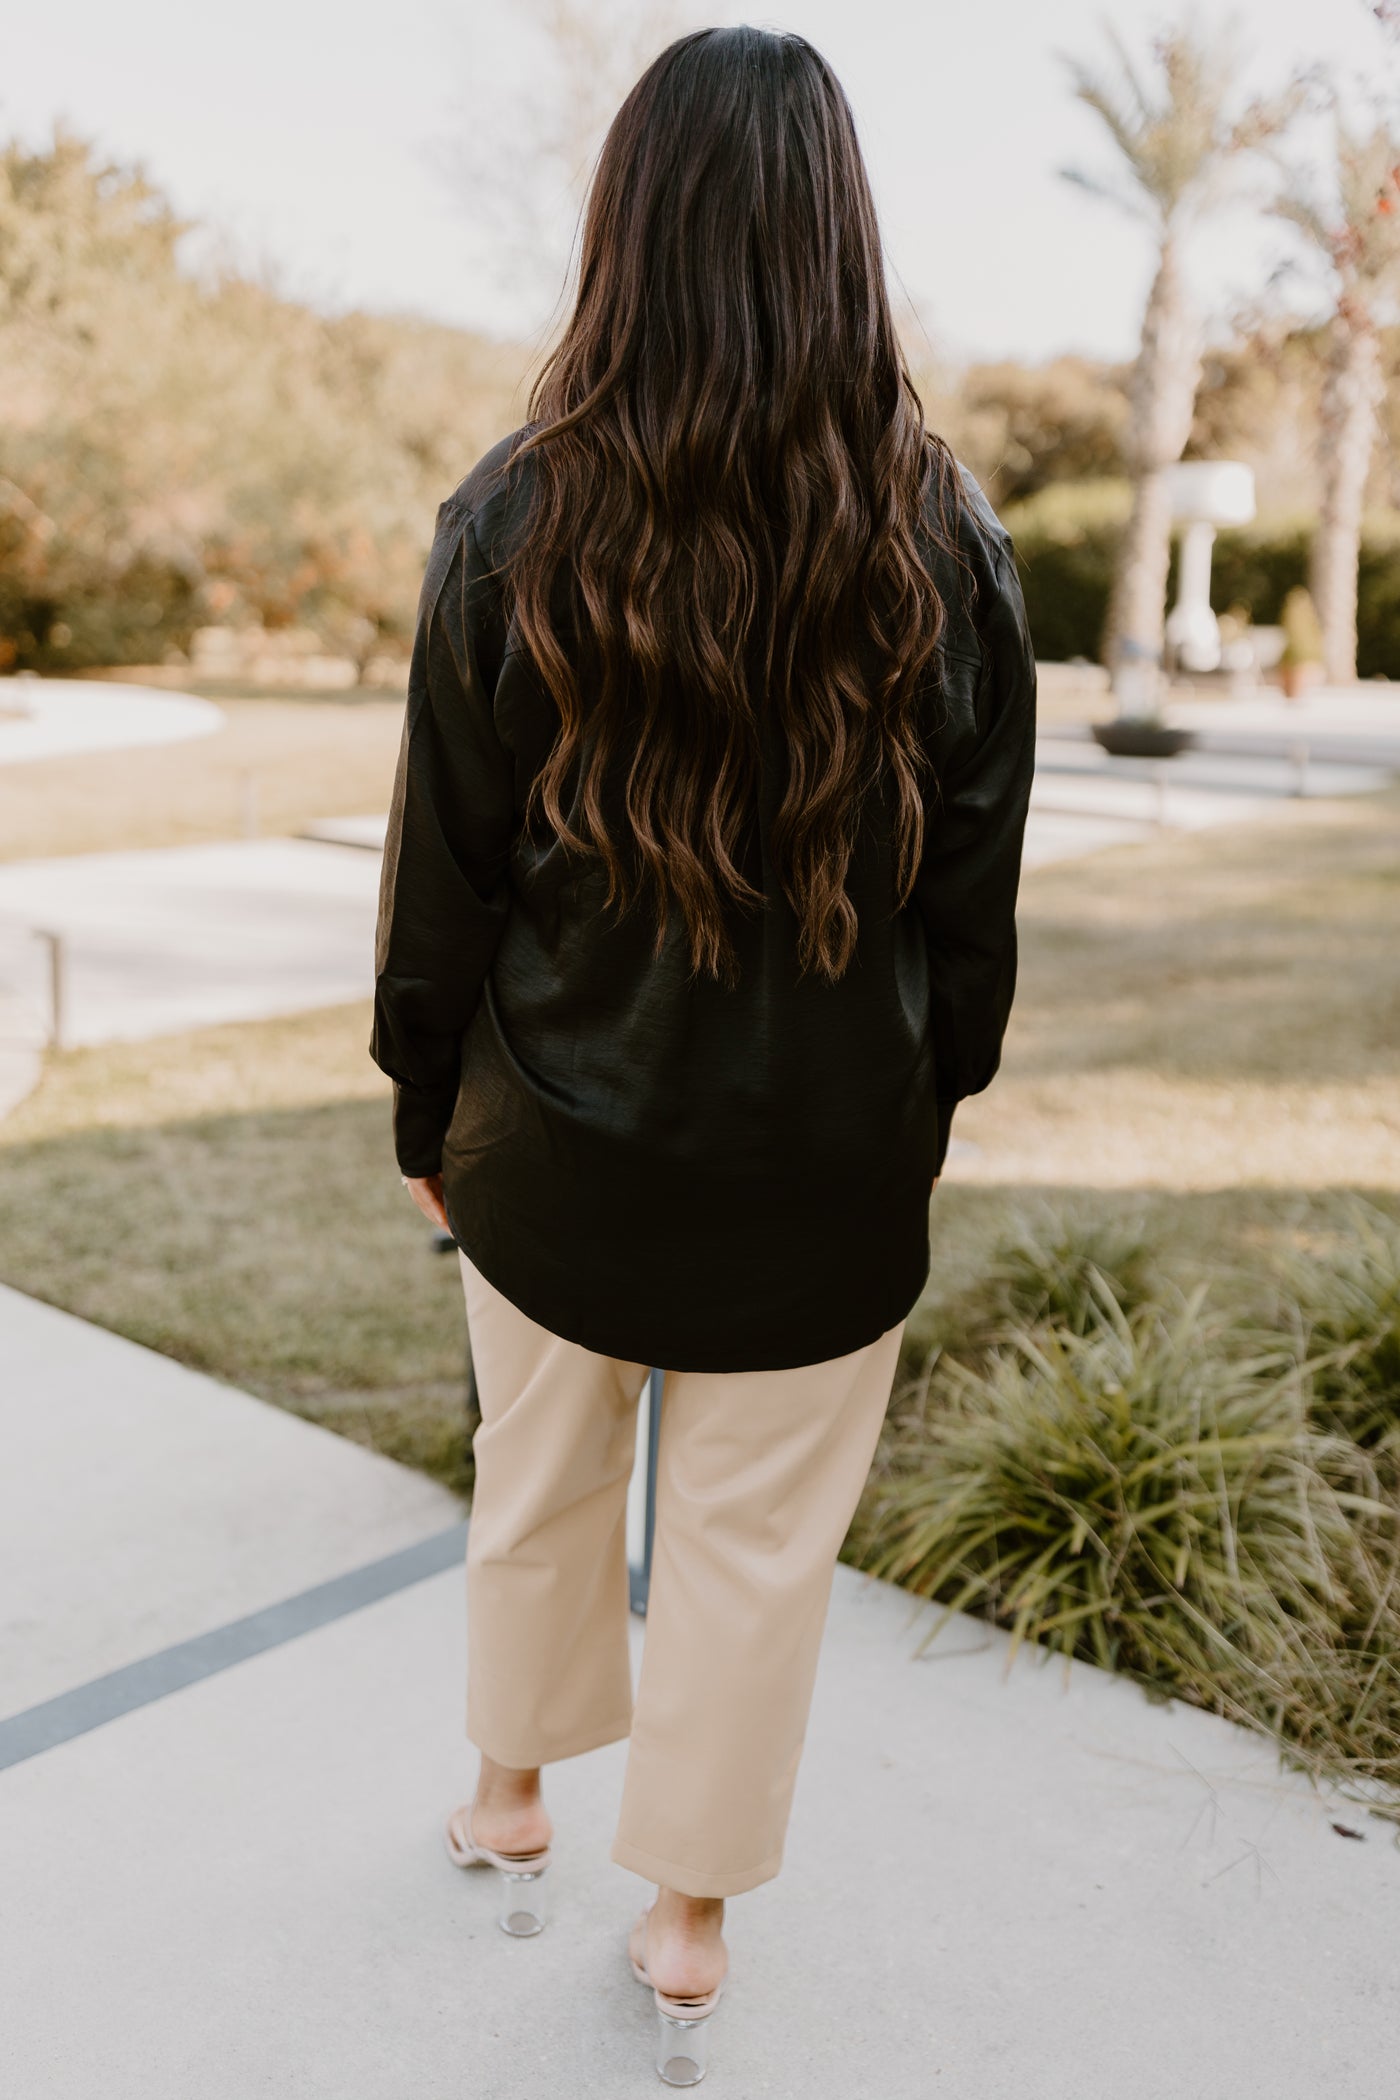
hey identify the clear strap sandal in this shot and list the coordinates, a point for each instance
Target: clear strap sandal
(682, 2025)
(522, 1908)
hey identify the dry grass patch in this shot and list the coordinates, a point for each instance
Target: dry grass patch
(308, 758)
(1208, 1010)
(229, 1197)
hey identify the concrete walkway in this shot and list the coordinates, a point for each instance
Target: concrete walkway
(1082, 800)
(1359, 724)
(999, 1886)
(184, 936)
(64, 717)
(141, 1503)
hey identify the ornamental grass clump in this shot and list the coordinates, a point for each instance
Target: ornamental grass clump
(1052, 1269)
(1149, 1494)
(1348, 1308)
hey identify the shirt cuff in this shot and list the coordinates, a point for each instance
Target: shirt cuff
(421, 1119)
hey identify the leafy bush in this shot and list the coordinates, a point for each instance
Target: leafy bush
(134, 615)
(1259, 565)
(176, 450)
(1065, 539)
(1378, 602)
(1150, 1494)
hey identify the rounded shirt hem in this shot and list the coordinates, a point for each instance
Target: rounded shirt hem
(602, 1339)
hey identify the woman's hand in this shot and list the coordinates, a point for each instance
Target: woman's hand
(427, 1194)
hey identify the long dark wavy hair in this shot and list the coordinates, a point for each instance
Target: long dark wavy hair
(731, 474)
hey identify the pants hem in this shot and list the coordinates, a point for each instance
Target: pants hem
(688, 1880)
(524, 1757)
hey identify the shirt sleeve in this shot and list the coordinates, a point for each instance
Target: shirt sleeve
(967, 883)
(443, 889)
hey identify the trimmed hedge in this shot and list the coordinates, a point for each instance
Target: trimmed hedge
(1066, 536)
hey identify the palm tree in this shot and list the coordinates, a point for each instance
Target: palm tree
(1357, 232)
(1178, 143)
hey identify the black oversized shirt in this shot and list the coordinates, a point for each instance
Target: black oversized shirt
(645, 1161)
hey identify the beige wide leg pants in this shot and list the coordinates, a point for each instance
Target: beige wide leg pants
(758, 1475)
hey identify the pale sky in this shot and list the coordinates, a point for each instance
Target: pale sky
(316, 136)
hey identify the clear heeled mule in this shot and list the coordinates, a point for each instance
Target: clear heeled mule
(682, 2027)
(682, 2047)
(521, 1912)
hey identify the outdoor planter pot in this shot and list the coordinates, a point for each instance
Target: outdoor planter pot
(1130, 738)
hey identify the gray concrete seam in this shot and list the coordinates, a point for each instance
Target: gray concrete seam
(107, 1698)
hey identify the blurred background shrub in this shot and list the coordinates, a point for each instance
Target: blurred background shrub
(176, 450)
(1066, 534)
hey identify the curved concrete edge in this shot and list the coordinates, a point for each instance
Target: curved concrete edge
(66, 717)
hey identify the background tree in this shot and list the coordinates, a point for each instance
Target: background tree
(1177, 142)
(1022, 427)
(176, 450)
(1356, 232)
(1258, 401)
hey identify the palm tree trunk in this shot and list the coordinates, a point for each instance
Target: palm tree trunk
(1350, 399)
(1162, 399)
(1137, 608)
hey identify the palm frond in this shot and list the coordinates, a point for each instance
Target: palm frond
(1174, 129)
(1356, 227)
(1105, 189)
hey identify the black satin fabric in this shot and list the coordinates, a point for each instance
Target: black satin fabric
(643, 1161)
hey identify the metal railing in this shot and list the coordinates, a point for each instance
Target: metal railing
(641, 1494)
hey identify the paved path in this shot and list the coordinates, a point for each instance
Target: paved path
(63, 717)
(184, 936)
(141, 1503)
(1359, 723)
(1082, 800)
(999, 1886)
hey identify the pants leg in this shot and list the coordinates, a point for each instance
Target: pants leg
(548, 1674)
(758, 1477)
